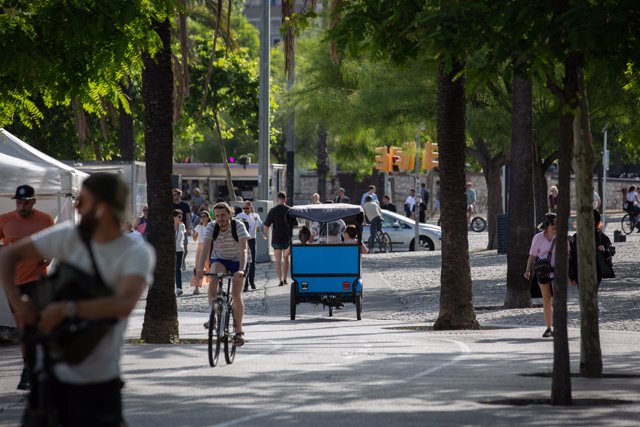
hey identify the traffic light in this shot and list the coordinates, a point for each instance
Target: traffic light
(408, 156)
(430, 156)
(395, 154)
(383, 161)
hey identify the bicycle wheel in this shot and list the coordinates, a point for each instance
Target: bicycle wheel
(478, 224)
(213, 341)
(628, 224)
(384, 243)
(229, 343)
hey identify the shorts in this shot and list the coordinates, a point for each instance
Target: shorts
(231, 266)
(280, 246)
(27, 289)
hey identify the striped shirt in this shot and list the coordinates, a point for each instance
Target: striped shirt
(225, 246)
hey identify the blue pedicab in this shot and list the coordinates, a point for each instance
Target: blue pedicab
(328, 274)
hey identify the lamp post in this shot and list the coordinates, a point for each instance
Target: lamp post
(264, 136)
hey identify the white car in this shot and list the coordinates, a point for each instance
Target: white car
(402, 232)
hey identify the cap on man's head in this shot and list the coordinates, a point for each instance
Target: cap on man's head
(340, 190)
(111, 189)
(25, 192)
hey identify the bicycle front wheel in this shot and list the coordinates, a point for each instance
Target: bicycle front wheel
(384, 244)
(478, 224)
(213, 339)
(229, 343)
(628, 224)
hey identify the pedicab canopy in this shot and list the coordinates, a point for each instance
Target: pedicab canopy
(327, 212)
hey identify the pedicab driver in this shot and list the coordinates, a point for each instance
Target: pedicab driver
(229, 254)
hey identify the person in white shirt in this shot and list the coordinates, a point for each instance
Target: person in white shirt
(203, 220)
(373, 214)
(410, 203)
(632, 201)
(89, 391)
(254, 223)
(179, 230)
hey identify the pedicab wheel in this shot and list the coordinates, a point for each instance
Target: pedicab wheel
(478, 224)
(359, 307)
(292, 301)
(330, 311)
(213, 341)
(628, 224)
(229, 342)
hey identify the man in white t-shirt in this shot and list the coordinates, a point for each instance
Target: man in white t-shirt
(254, 223)
(229, 254)
(90, 390)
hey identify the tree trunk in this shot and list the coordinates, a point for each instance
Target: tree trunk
(590, 353)
(521, 208)
(456, 305)
(561, 377)
(540, 190)
(322, 162)
(125, 136)
(160, 317)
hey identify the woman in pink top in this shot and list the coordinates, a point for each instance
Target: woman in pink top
(542, 244)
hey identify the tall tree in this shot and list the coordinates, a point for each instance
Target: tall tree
(521, 207)
(160, 317)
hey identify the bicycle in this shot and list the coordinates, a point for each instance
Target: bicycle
(629, 223)
(222, 325)
(381, 242)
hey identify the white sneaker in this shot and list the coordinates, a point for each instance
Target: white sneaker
(178, 292)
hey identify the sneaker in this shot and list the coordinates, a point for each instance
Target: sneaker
(196, 291)
(178, 292)
(184, 266)
(25, 379)
(285, 281)
(547, 333)
(281, 283)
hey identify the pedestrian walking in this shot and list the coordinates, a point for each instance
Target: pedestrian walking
(370, 192)
(179, 231)
(604, 253)
(87, 393)
(22, 222)
(254, 223)
(198, 233)
(186, 220)
(410, 203)
(140, 223)
(542, 249)
(386, 204)
(277, 217)
(552, 198)
(341, 197)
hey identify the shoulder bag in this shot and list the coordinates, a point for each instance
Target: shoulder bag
(542, 267)
(74, 339)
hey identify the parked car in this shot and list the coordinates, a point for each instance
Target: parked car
(402, 232)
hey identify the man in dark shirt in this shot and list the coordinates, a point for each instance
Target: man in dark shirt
(186, 214)
(277, 217)
(387, 205)
(341, 197)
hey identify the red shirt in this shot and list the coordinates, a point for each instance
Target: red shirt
(13, 227)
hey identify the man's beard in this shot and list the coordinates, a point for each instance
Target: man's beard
(24, 213)
(89, 221)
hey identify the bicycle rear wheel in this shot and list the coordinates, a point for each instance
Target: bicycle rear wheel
(229, 343)
(628, 224)
(384, 243)
(478, 224)
(213, 335)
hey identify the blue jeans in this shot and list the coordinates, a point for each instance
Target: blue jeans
(179, 269)
(374, 227)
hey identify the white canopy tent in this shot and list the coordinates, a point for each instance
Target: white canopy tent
(56, 184)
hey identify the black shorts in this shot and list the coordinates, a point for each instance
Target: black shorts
(26, 289)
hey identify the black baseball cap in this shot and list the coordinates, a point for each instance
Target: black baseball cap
(25, 192)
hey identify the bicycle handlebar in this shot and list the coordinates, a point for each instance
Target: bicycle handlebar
(219, 275)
